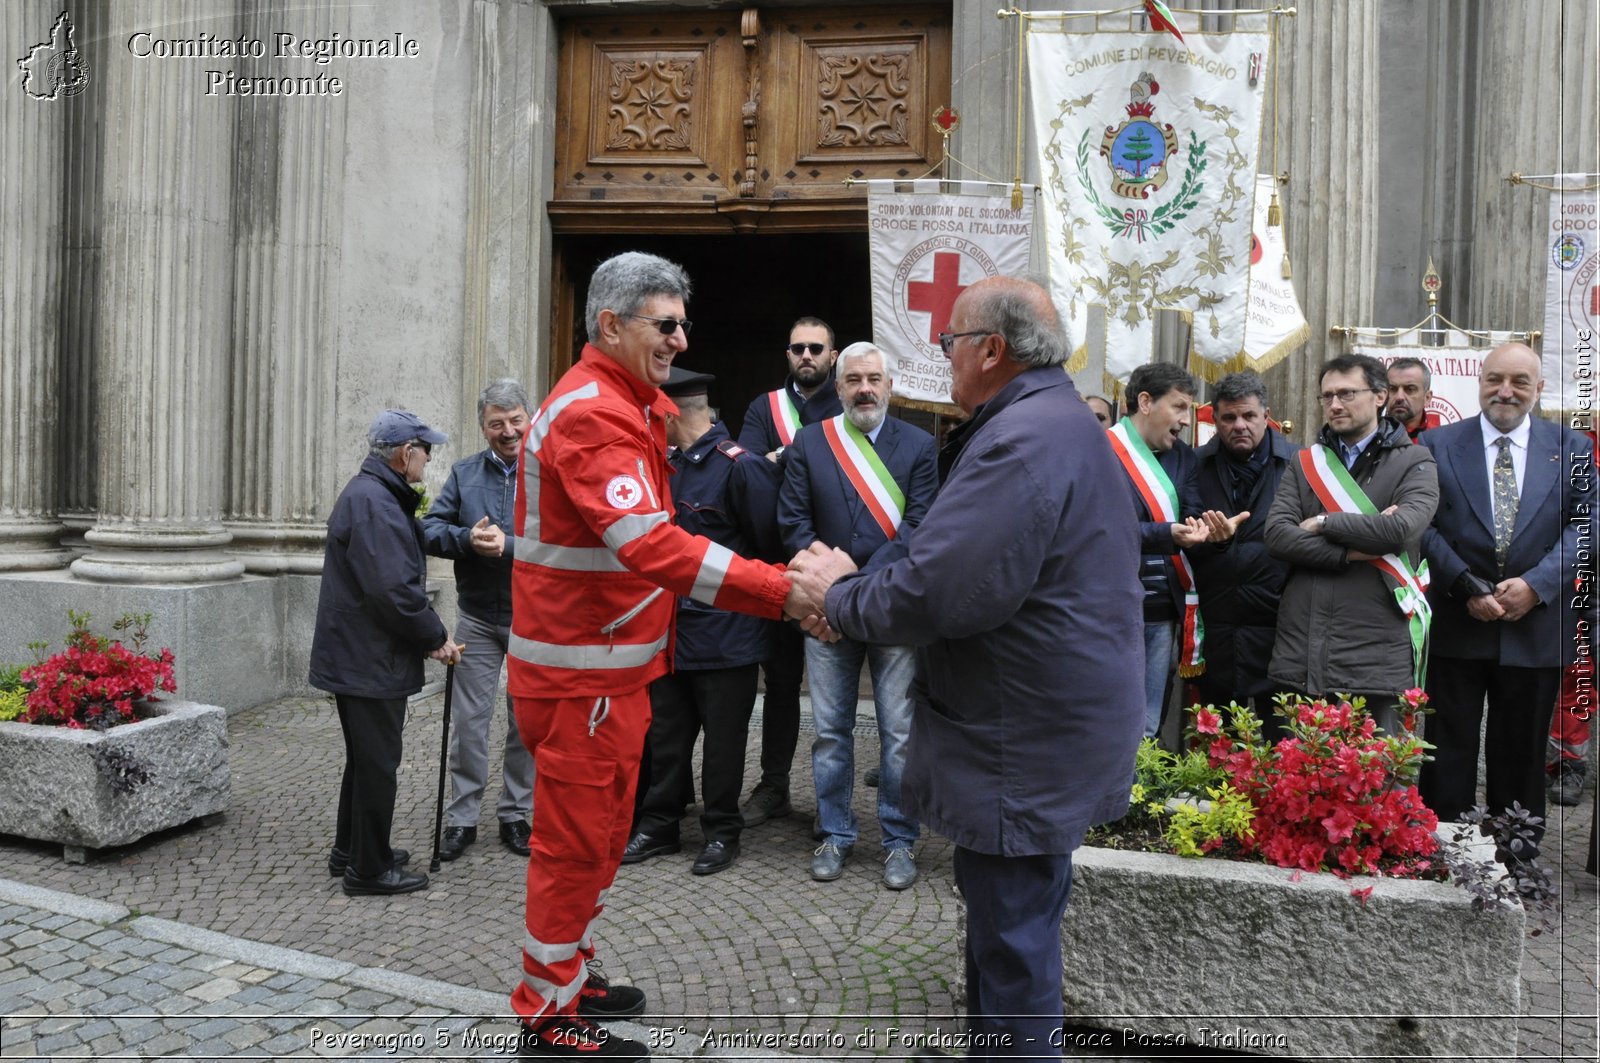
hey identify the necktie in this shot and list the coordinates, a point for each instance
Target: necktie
(1505, 502)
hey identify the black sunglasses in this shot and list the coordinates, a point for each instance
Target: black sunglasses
(816, 349)
(666, 325)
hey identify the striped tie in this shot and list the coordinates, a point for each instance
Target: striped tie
(1505, 502)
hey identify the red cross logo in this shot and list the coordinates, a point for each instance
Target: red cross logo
(938, 296)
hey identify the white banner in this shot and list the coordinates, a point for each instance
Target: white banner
(1274, 325)
(1571, 295)
(1148, 160)
(1455, 366)
(927, 245)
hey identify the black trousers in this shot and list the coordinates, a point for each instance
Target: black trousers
(1521, 701)
(718, 701)
(780, 706)
(372, 728)
(1014, 910)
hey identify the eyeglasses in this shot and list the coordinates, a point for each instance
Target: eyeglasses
(947, 340)
(427, 448)
(1344, 395)
(816, 349)
(665, 325)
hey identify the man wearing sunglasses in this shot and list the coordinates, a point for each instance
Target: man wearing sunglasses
(1348, 518)
(807, 396)
(598, 568)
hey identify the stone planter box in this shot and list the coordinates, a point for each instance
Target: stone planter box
(1251, 958)
(52, 789)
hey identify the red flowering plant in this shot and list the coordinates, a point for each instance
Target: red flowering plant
(1337, 793)
(95, 682)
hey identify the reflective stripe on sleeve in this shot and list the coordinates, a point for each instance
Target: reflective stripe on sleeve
(568, 558)
(626, 529)
(713, 570)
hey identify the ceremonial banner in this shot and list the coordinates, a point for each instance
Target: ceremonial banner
(926, 246)
(1274, 326)
(1572, 294)
(1148, 164)
(1455, 365)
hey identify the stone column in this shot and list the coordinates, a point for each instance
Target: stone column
(1537, 94)
(161, 335)
(1328, 143)
(32, 142)
(288, 195)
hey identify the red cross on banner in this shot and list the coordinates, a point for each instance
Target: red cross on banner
(939, 295)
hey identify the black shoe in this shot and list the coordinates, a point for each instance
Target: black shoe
(514, 836)
(603, 1002)
(455, 840)
(767, 801)
(642, 847)
(574, 1037)
(716, 856)
(393, 880)
(338, 860)
(871, 778)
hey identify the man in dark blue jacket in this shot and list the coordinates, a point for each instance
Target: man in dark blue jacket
(1240, 587)
(1019, 742)
(467, 522)
(806, 397)
(730, 496)
(856, 481)
(1509, 552)
(374, 626)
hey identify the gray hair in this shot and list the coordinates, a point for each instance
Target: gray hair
(623, 282)
(504, 394)
(1236, 387)
(860, 349)
(385, 451)
(1031, 338)
(1414, 363)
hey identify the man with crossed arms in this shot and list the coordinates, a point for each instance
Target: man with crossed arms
(855, 482)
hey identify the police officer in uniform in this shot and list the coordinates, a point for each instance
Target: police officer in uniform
(729, 495)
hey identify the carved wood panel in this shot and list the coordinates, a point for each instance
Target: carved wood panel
(750, 115)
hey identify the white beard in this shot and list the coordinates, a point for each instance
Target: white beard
(866, 420)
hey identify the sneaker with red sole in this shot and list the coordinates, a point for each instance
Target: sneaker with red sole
(574, 1037)
(602, 1001)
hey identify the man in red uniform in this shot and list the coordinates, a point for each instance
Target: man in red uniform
(598, 566)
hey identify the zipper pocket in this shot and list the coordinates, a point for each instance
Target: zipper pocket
(610, 629)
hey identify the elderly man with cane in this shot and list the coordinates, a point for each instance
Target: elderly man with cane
(374, 625)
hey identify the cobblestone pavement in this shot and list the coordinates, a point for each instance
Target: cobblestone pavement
(231, 940)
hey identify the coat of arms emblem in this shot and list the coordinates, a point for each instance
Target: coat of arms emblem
(1138, 149)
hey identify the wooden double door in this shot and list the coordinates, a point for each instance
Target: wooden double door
(723, 140)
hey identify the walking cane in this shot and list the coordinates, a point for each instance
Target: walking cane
(444, 758)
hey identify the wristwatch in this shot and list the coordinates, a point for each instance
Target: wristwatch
(1322, 522)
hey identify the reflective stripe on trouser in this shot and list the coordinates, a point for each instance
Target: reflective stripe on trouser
(1571, 726)
(582, 811)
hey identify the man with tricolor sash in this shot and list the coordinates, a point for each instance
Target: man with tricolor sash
(1349, 519)
(858, 481)
(807, 396)
(1163, 477)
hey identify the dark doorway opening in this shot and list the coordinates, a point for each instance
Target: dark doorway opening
(748, 290)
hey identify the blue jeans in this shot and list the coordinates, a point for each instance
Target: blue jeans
(1158, 642)
(835, 672)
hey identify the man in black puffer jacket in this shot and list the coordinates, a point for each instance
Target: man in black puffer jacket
(374, 626)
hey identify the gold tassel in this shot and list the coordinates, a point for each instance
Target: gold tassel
(1016, 195)
(1288, 274)
(1190, 671)
(1274, 212)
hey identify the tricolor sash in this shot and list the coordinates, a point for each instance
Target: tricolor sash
(1339, 493)
(1161, 499)
(866, 473)
(785, 417)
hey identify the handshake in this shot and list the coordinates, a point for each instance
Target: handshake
(811, 572)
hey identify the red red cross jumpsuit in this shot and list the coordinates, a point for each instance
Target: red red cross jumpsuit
(598, 563)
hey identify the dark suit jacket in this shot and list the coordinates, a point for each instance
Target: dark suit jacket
(818, 503)
(760, 435)
(1554, 515)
